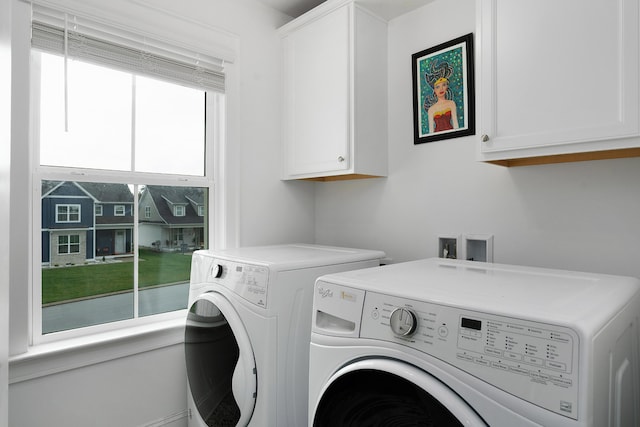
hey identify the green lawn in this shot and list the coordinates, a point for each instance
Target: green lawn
(156, 268)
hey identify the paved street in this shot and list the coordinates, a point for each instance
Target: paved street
(114, 307)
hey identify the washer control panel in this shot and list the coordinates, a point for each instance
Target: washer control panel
(534, 361)
(247, 280)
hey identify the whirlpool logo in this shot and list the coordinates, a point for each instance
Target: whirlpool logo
(325, 292)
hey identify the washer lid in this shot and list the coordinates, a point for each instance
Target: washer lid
(294, 256)
(390, 392)
(585, 300)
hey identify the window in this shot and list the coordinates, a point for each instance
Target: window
(68, 213)
(101, 115)
(200, 210)
(178, 210)
(69, 244)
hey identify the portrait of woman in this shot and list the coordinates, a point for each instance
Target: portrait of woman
(443, 91)
(442, 114)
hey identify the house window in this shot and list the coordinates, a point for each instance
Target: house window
(69, 244)
(67, 213)
(200, 210)
(178, 210)
(151, 111)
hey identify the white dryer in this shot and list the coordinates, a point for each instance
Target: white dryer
(247, 331)
(461, 343)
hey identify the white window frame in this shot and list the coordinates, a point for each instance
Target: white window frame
(98, 210)
(68, 219)
(201, 210)
(147, 212)
(214, 111)
(179, 210)
(119, 210)
(215, 107)
(68, 244)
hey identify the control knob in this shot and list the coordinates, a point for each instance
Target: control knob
(403, 322)
(216, 271)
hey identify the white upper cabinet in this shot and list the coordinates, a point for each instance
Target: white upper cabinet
(558, 80)
(335, 93)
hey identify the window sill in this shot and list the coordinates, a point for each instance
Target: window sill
(65, 355)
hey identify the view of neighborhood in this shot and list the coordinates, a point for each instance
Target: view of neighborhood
(87, 221)
(88, 250)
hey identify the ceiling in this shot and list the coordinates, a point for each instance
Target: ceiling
(387, 9)
(293, 8)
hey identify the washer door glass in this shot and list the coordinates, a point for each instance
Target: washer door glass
(390, 393)
(221, 366)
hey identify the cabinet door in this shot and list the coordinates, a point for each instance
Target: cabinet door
(316, 88)
(558, 74)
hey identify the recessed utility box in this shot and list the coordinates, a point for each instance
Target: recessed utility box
(479, 247)
(448, 246)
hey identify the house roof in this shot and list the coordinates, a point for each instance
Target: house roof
(48, 186)
(108, 193)
(101, 192)
(165, 198)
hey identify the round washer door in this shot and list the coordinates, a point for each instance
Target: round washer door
(221, 367)
(383, 392)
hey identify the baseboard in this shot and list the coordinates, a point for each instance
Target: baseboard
(175, 420)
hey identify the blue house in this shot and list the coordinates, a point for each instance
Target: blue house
(82, 221)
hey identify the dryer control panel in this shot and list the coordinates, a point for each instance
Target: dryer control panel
(247, 280)
(534, 361)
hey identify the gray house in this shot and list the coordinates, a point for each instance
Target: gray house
(172, 218)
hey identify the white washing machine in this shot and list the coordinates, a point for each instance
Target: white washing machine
(461, 343)
(247, 331)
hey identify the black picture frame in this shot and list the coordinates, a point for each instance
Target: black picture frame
(444, 91)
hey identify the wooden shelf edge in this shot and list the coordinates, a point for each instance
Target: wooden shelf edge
(567, 158)
(341, 177)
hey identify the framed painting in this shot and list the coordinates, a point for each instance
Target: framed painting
(443, 91)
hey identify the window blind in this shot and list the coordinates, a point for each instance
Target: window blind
(83, 39)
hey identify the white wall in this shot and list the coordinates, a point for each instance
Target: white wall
(580, 216)
(131, 391)
(5, 156)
